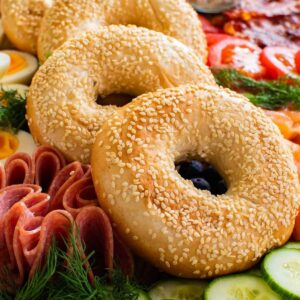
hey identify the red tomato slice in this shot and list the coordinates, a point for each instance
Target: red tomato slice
(238, 54)
(297, 61)
(207, 26)
(213, 38)
(279, 61)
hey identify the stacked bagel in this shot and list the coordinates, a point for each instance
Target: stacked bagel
(90, 50)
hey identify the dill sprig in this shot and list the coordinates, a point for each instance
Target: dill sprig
(268, 94)
(64, 276)
(12, 110)
(35, 287)
(74, 281)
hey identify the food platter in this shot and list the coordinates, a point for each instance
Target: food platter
(150, 150)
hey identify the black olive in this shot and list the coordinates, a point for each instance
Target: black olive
(191, 169)
(211, 175)
(201, 184)
(219, 188)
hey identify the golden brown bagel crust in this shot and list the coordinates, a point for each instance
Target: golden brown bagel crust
(67, 18)
(21, 21)
(180, 229)
(62, 109)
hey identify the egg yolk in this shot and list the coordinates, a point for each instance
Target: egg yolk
(8, 144)
(17, 63)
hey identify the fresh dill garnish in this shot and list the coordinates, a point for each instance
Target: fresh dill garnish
(12, 110)
(74, 281)
(268, 94)
(35, 287)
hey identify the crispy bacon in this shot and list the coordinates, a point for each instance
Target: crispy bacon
(30, 218)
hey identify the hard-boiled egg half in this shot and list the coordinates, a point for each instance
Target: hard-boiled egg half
(22, 89)
(4, 63)
(10, 144)
(21, 69)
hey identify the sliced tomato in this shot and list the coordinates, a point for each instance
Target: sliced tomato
(297, 61)
(207, 26)
(296, 233)
(279, 61)
(239, 54)
(213, 38)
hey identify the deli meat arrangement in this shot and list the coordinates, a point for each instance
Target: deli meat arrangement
(35, 208)
(269, 23)
(150, 150)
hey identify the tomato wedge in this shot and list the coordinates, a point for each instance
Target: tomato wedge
(239, 54)
(279, 61)
(213, 38)
(297, 61)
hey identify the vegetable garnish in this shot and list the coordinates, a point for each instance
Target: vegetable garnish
(237, 54)
(279, 61)
(65, 276)
(275, 94)
(12, 110)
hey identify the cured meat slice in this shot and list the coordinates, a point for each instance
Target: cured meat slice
(96, 233)
(269, 8)
(47, 162)
(279, 31)
(2, 177)
(13, 194)
(64, 179)
(80, 194)
(19, 169)
(55, 225)
(123, 256)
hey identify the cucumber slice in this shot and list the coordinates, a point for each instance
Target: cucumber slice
(240, 287)
(292, 245)
(281, 269)
(178, 290)
(143, 296)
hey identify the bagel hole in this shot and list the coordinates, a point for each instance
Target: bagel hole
(118, 100)
(203, 175)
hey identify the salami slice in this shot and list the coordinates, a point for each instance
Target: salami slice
(47, 162)
(19, 169)
(64, 179)
(96, 233)
(80, 194)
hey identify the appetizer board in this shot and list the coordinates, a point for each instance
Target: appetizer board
(98, 201)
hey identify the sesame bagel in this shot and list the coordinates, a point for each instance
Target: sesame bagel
(22, 20)
(67, 18)
(163, 217)
(61, 106)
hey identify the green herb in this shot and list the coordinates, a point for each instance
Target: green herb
(35, 287)
(12, 110)
(74, 281)
(273, 94)
(65, 277)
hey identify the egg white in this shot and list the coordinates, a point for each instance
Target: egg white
(25, 75)
(26, 144)
(22, 89)
(4, 63)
